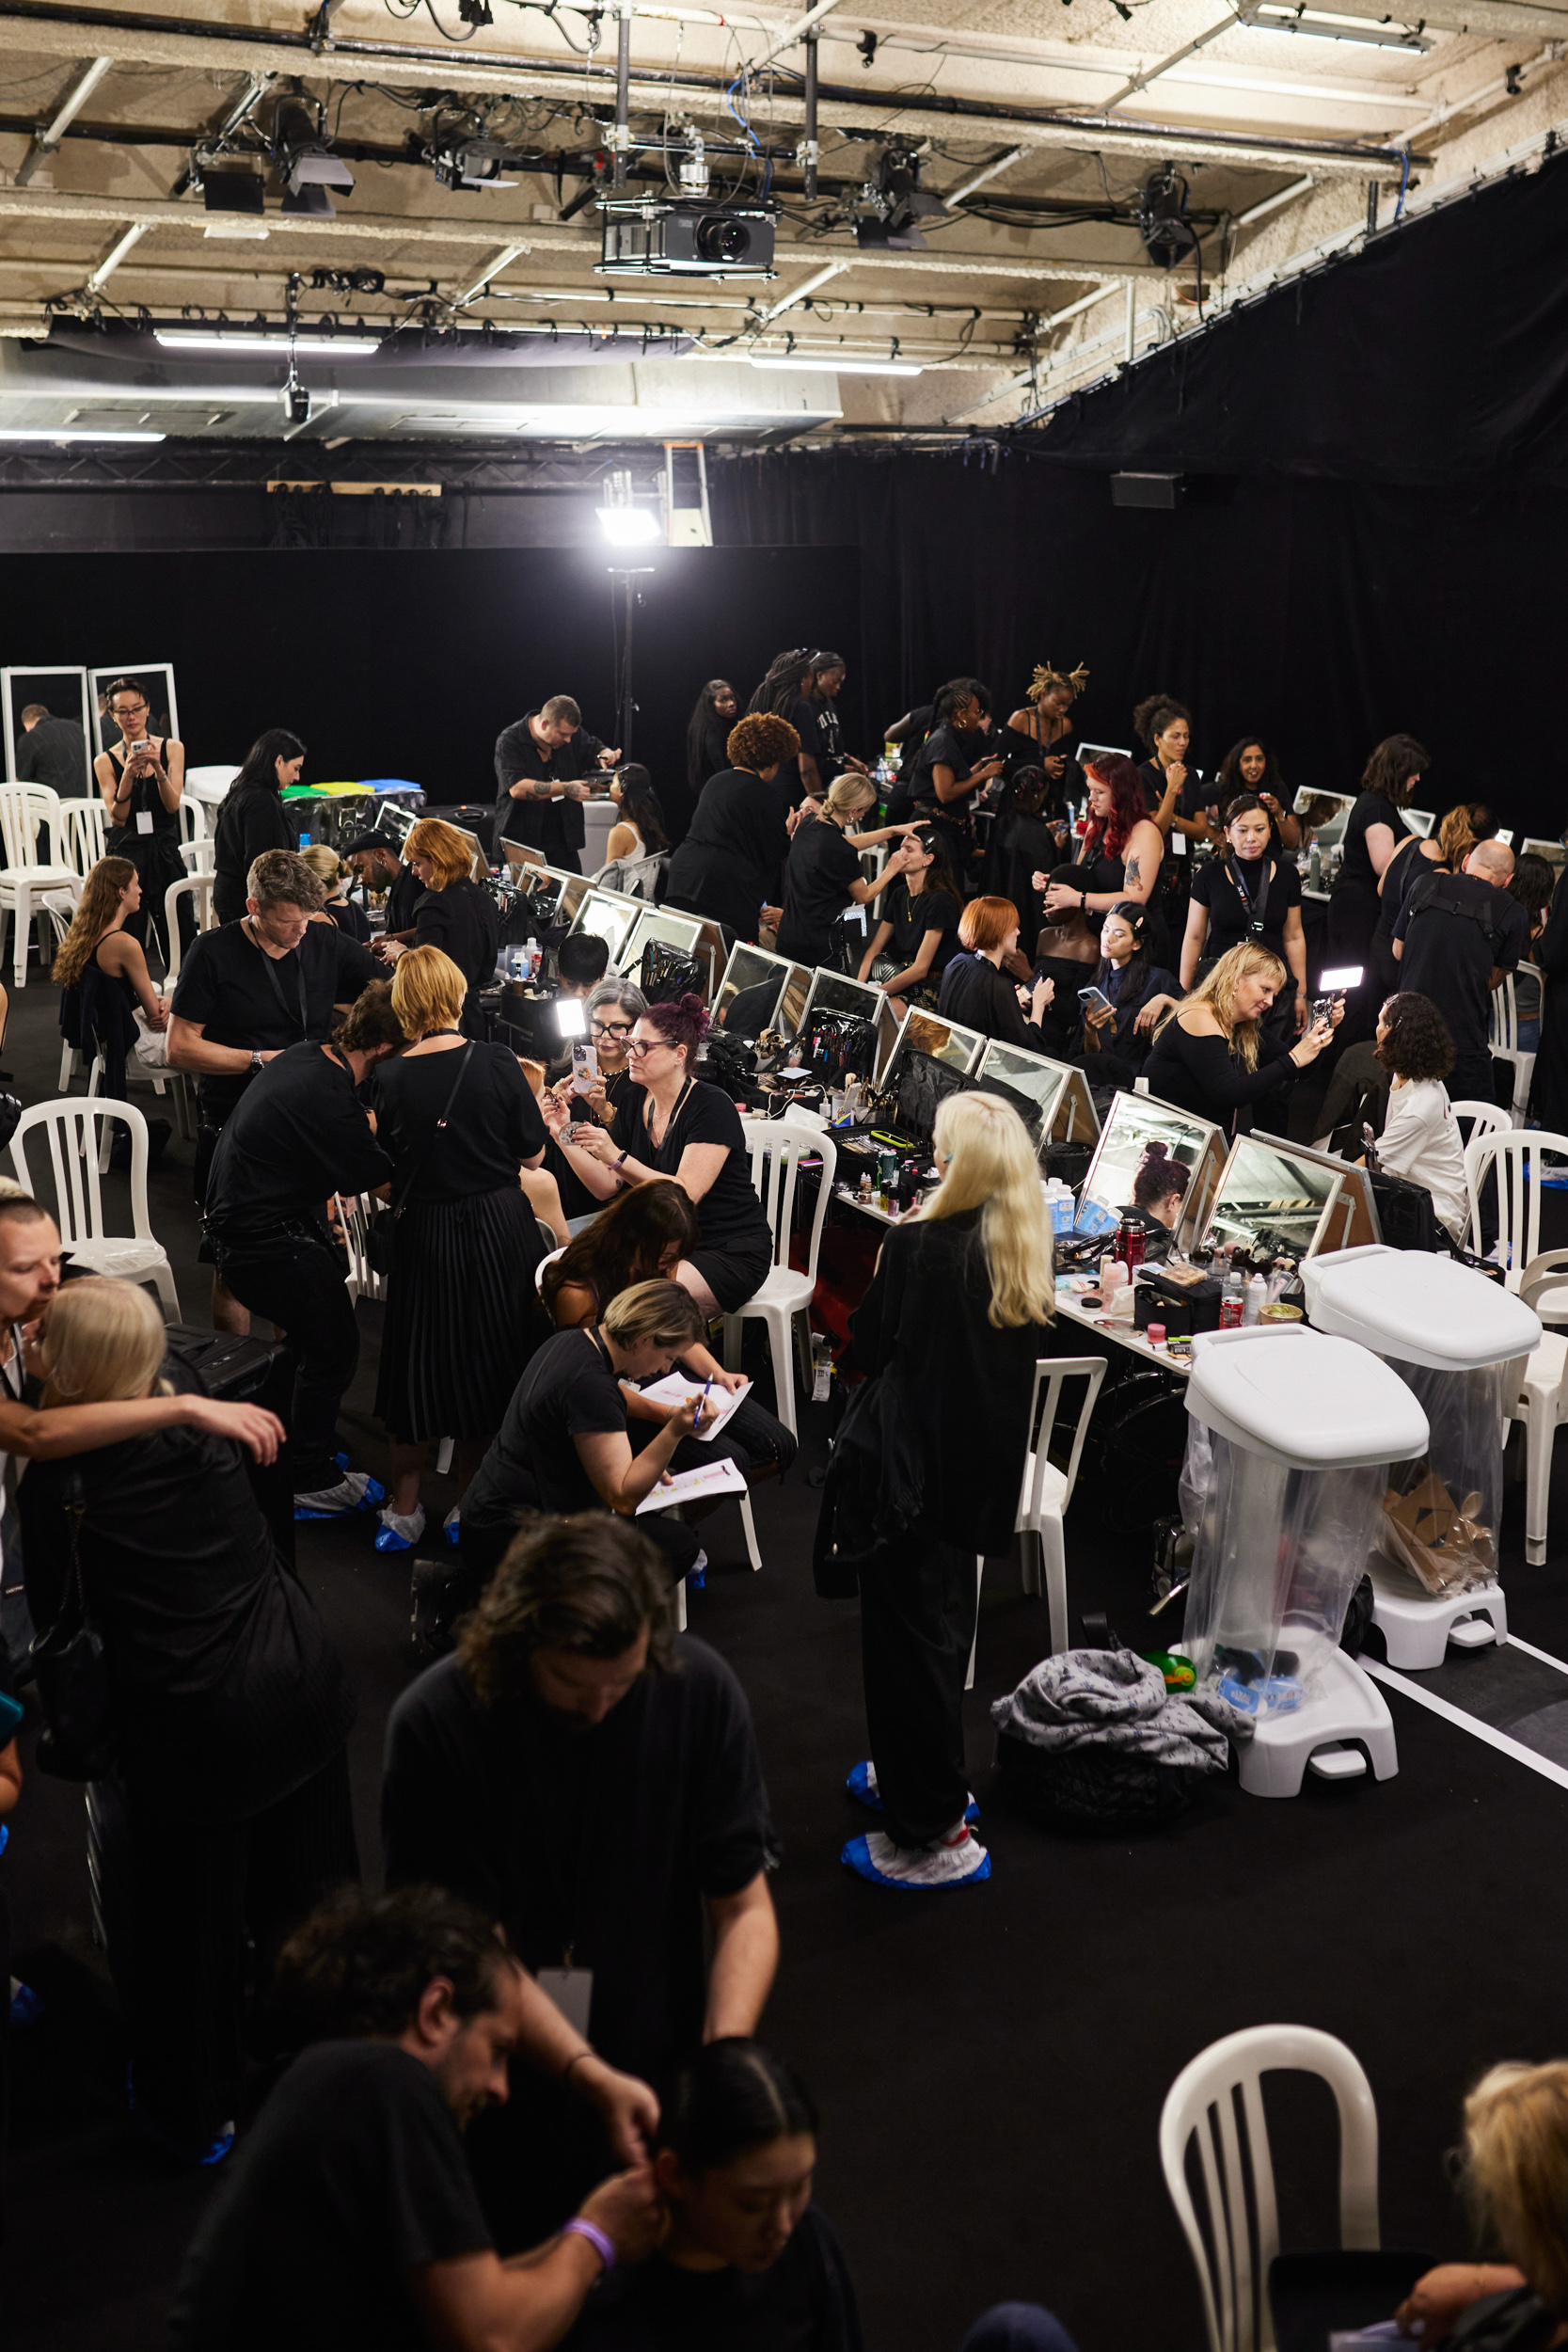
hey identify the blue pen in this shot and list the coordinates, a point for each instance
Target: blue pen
(703, 1399)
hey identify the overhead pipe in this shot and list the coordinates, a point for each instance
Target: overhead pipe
(114, 256)
(809, 153)
(76, 97)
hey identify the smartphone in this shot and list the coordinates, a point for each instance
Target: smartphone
(1322, 1007)
(585, 1065)
(1095, 997)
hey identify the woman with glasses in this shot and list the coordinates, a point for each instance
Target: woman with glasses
(680, 1126)
(141, 779)
(611, 1008)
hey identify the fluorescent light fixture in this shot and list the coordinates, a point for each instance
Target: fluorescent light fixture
(66, 433)
(213, 339)
(235, 226)
(844, 367)
(628, 526)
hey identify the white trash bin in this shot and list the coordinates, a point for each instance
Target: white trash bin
(1291, 1434)
(1458, 1340)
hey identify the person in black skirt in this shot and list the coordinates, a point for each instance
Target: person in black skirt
(1249, 893)
(252, 817)
(1373, 830)
(682, 1127)
(453, 912)
(142, 781)
(458, 1121)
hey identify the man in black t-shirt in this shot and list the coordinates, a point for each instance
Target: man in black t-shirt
(1457, 934)
(53, 752)
(542, 770)
(376, 859)
(350, 2216)
(594, 1784)
(250, 990)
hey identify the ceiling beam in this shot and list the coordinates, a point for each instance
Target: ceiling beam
(1487, 19)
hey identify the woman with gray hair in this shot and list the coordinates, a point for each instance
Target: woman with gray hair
(611, 1008)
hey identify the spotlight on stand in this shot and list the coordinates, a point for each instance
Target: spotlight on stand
(1163, 223)
(897, 201)
(624, 524)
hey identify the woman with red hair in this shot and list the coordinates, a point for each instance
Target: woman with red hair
(1120, 854)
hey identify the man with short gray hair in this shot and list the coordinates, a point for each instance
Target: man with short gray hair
(544, 772)
(1456, 936)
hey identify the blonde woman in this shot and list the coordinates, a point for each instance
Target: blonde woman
(458, 1121)
(1515, 2180)
(453, 912)
(335, 877)
(229, 1813)
(823, 878)
(1205, 1057)
(927, 1473)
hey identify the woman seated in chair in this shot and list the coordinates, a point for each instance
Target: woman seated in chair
(640, 1238)
(640, 832)
(1420, 1136)
(104, 984)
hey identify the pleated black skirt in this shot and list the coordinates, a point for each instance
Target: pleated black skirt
(462, 1317)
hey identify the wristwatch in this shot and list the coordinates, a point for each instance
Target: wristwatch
(256, 1062)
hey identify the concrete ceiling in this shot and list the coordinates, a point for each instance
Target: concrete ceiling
(1037, 121)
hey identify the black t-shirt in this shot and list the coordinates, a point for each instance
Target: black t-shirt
(541, 824)
(569, 1390)
(350, 917)
(946, 747)
(1450, 957)
(820, 731)
(464, 922)
(805, 2302)
(603, 1840)
(912, 918)
(354, 2174)
(403, 893)
(819, 872)
(729, 1213)
(55, 751)
(1218, 885)
(729, 863)
(225, 1689)
(297, 1134)
(240, 995)
(1355, 868)
(494, 1125)
(248, 823)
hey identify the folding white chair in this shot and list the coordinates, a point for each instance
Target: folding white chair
(1515, 1157)
(777, 1147)
(1047, 1491)
(178, 1084)
(1232, 2248)
(198, 887)
(1503, 1038)
(73, 1132)
(32, 889)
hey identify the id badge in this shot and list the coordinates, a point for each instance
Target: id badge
(144, 820)
(572, 1991)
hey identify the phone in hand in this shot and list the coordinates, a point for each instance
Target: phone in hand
(585, 1065)
(1092, 998)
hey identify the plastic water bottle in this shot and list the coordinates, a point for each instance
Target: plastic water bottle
(304, 841)
(1257, 1292)
(1232, 1299)
(530, 959)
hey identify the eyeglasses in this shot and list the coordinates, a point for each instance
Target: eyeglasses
(609, 1029)
(639, 1046)
(126, 711)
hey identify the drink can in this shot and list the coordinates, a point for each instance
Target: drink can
(1231, 1314)
(888, 1167)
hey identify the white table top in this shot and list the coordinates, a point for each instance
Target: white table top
(1112, 1327)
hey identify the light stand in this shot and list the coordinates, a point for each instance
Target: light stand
(622, 580)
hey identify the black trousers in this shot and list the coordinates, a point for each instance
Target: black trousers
(299, 1286)
(918, 1602)
(1473, 1078)
(178, 1899)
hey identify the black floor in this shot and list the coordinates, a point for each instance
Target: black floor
(990, 2063)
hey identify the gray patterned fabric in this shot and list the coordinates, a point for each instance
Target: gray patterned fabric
(1117, 1702)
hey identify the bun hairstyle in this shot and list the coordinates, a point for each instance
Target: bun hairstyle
(1154, 714)
(1158, 1176)
(682, 1022)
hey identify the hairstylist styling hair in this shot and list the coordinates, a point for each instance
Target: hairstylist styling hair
(1249, 893)
(1121, 856)
(1373, 830)
(823, 879)
(975, 993)
(453, 911)
(682, 1127)
(1206, 1058)
(730, 867)
(925, 1473)
(543, 775)
(142, 780)
(251, 817)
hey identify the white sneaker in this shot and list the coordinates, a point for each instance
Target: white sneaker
(876, 1857)
(400, 1532)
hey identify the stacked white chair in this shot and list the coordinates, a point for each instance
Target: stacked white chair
(1047, 1491)
(73, 1132)
(777, 1147)
(32, 888)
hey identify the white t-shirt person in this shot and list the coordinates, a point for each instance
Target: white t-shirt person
(1420, 1141)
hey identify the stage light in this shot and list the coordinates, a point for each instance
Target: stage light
(842, 367)
(64, 433)
(217, 339)
(628, 526)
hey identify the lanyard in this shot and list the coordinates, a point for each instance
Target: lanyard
(276, 985)
(1253, 900)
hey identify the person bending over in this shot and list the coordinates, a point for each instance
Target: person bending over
(1456, 936)
(926, 1474)
(1206, 1058)
(1421, 1137)
(1515, 2161)
(544, 769)
(592, 1781)
(748, 2262)
(581, 961)
(299, 1137)
(730, 867)
(350, 2216)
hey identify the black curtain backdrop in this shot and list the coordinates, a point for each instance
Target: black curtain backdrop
(410, 662)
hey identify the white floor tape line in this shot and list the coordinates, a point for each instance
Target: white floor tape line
(1472, 1724)
(1531, 1651)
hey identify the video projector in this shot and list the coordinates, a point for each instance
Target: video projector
(683, 237)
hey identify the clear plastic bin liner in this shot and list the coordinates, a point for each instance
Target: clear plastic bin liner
(1278, 1554)
(1442, 1511)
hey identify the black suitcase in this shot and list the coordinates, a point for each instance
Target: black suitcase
(247, 1372)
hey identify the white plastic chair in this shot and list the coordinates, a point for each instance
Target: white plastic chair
(1047, 1491)
(193, 820)
(1541, 1404)
(777, 1147)
(73, 1130)
(199, 888)
(1511, 1156)
(539, 1269)
(1485, 1118)
(1202, 2101)
(1503, 1037)
(199, 857)
(32, 889)
(81, 840)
